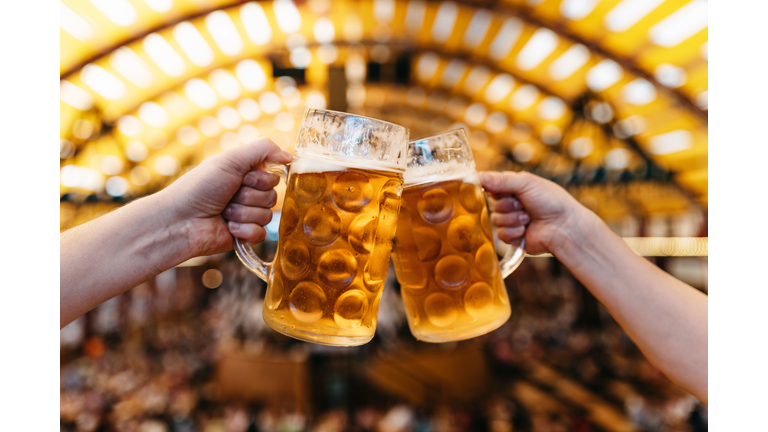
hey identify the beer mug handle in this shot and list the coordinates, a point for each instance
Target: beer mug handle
(512, 259)
(243, 250)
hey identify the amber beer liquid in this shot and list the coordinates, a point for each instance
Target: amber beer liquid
(446, 263)
(336, 230)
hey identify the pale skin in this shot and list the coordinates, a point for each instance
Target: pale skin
(665, 317)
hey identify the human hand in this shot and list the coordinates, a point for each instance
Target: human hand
(227, 195)
(522, 199)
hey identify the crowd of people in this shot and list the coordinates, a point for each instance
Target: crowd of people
(147, 361)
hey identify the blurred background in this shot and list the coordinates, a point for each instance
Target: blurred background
(606, 97)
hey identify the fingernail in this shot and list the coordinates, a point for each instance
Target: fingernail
(234, 226)
(524, 218)
(227, 210)
(250, 181)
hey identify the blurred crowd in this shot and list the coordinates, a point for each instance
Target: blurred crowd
(146, 361)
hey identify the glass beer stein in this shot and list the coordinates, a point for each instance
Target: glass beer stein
(336, 229)
(444, 255)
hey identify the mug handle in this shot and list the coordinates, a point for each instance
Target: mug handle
(243, 249)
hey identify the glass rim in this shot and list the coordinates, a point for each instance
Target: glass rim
(307, 112)
(458, 131)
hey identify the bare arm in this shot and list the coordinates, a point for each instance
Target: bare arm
(665, 317)
(227, 195)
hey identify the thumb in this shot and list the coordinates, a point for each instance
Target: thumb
(504, 182)
(249, 156)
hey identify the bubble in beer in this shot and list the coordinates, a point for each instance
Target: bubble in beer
(337, 268)
(351, 191)
(428, 243)
(294, 259)
(307, 302)
(362, 231)
(440, 309)
(485, 224)
(322, 225)
(274, 292)
(471, 197)
(309, 187)
(486, 262)
(452, 272)
(350, 309)
(289, 218)
(436, 206)
(463, 233)
(478, 300)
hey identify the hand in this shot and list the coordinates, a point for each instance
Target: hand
(520, 199)
(227, 195)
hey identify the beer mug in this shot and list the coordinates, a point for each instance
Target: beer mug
(336, 229)
(444, 255)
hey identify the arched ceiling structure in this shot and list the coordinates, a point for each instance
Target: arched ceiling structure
(149, 88)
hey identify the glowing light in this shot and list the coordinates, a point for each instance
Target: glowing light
(249, 109)
(705, 50)
(228, 117)
(163, 54)
(66, 149)
(497, 122)
(427, 66)
(628, 12)
(551, 134)
(75, 96)
(631, 125)
(499, 88)
(167, 165)
(638, 92)
(81, 177)
(539, 47)
(288, 17)
(247, 133)
(353, 29)
(83, 129)
(119, 12)
(617, 159)
(295, 40)
(156, 139)
(569, 62)
(153, 114)
(601, 112)
(229, 140)
(323, 30)
(255, 22)
(383, 10)
(701, 100)
(444, 21)
(129, 125)
(670, 75)
(175, 104)
(380, 53)
(316, 100)
(116, 186)
(475, 114)
(226, 84)
(188, 135)
(159, 5)
(327, 53)
(477, 29)
(414, 16)
(192, 43)
(453, 72)
(355, 68)
(577, 9)
(680, 25)
(209, 126)
(136, 151)
(671, 142)
(300, 57)
(524, 97)
(131, 66)
(581, 147)
(603, 75)
(73, 24)
(140, 175)
(270, 102)
(523, 152)
(505, 39)
(476, 79)
(251, 75)
(199, 92)
(284, 122)
(552, 108)
(224, 33)
(102, 82)
(212, 278)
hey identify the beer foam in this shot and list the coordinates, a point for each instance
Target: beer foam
(450, 170)
(304, 163)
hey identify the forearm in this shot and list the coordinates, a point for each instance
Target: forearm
(111, 254)
(666, 318)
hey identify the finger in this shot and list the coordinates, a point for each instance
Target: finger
(247, 231)
(255, 198)
(510, 234)
(505, 182)
(249, 156)
(505, 204)
(512, 219)
(261, 180)
(245, 214)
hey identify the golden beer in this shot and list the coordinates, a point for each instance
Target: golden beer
(336, 230)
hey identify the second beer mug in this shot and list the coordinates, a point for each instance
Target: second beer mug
(444, 255)
(336, 229)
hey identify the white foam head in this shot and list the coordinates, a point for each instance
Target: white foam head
(309, 163)
(441, 157)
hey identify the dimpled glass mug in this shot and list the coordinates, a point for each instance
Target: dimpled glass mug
(444, 255)
(336, 229)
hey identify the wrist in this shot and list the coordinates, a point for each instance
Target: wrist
(574, 234)
(171, 230)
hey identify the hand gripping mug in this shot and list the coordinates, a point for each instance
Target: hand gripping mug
(337, 225)
(444, 255)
